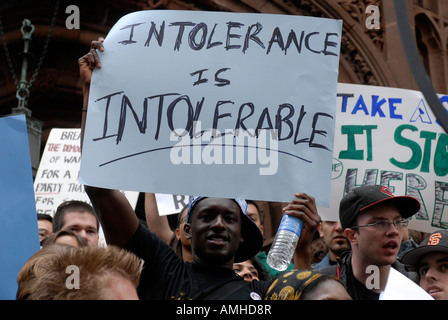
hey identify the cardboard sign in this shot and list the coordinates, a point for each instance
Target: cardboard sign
(390, 137)
(171, 203)
(400, 287)
(57, 178)
(214, 104)
(19, 238)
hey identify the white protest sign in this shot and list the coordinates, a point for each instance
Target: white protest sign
(170, 203)
(214, 104)
(400, 287)
(57, 176)
(390, 136)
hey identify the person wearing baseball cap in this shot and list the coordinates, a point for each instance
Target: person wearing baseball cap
(219, 230)
(251, 237)
(430, 259)
(373, 219)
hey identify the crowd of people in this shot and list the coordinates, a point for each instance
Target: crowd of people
(216, 250)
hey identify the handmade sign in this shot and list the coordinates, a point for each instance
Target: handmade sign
(171, 203)
(390, 137)
(400, 287)
(214, 104)
(57, 176)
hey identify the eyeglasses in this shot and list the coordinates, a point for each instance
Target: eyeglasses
(384, 225)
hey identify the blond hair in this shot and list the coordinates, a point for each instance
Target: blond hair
(44, 276)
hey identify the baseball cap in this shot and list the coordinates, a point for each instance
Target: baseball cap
(364, 197)
(435, 242)
(253, 238)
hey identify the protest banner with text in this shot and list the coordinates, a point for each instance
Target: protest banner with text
(390, 136)
(215, 104)
(57, 176)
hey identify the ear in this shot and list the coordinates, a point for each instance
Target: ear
(351, 235)
(262, 229)
(177, 232)
(319, 229)
(187, 231)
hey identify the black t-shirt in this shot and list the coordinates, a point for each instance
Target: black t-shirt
(356, 289)
(362, 293)
(166, 277)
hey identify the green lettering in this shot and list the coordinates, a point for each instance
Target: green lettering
(352, 152)
(441, 156)
(428, 136)
(416, 156)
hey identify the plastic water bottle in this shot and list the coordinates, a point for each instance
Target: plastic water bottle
(285, 242)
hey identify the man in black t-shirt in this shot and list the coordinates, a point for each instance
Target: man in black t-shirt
(219, 229)
(224, 233)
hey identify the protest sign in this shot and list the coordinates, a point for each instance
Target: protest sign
(400, 287)
(57, 176)
(19, 238)
(170, 203)
(389, 136)
(214, 104)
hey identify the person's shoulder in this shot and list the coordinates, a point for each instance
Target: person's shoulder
(254, 290)
(331, 270)
(141, 232)
(325, 262)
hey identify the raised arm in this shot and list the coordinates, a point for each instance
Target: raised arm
(304, 207)
(156, 223)
(116, 215)
(87, 63)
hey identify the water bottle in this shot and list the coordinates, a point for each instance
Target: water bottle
(282, 249)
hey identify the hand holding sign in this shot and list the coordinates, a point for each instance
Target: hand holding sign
(91, 60)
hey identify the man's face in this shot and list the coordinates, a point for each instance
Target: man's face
(215, 231)
(334, 236)
(373, 245)
(252, 212)
(82, 224)
(246, 270)
(433, 270)
(45, 229)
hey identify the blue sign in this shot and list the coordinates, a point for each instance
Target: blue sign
(19, 237)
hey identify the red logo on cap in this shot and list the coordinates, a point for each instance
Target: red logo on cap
(434, 239)
(387, 191)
